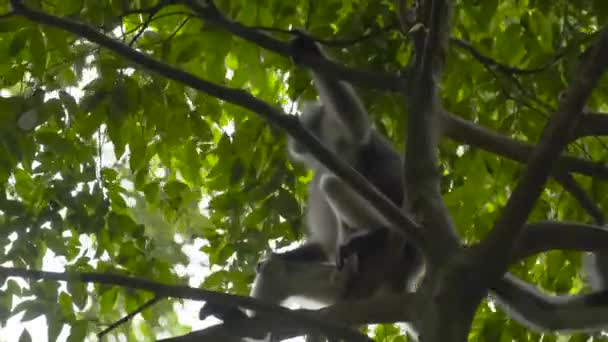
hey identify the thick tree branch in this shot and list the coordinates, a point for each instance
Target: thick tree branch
(272, 114)
(236, 330)
(137, 283)
(277, 313)
(478, 136)
(592, 124)
(544, 236)
(544, 313)
(563, 313)
(497, 247)
(375, 310)
(422, 176)
(445, 305)
(258, 327)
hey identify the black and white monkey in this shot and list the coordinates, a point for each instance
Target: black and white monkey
(341, 225)
(339, 221)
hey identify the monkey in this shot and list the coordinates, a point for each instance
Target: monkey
(341, 123)
(340, 223)
(328, 220)
(341, 226)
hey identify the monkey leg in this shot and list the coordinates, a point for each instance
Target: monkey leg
(279, 279)
(351, 208)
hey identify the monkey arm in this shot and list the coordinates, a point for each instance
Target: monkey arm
(338, 97)
(340, 100)
(311, 119)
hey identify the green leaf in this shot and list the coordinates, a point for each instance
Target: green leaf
(18, 42)
(215, 280)
(137, 158)
(69, 103)
(6, 303)
(79, 293)
(69, 8)
(187, 50)
(600, 9)
(238, 170)
(78, 331)
(108, 299)
(286, 205)
(175, 189)
(38, 52)
(65, 301)
(54, 326)
(93, 99)
(232, 61)
(190, 163)
(32, 309)
(25, 336)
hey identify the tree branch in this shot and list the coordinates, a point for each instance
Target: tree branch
(499, 244)
(130, 315)
(478, 136)
(422, 176)
(592, 124)
(576, 190)
(544, 313)
(374, 310)
(211, 14)
(277, 313)
(562, 313)
(489, 62)
(544, 236)
(257, 327)
(236, 330)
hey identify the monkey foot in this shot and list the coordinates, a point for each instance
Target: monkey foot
(347, 258)
(360, 245)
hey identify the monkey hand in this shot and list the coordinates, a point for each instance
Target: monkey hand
(346, 256)
(302, 44)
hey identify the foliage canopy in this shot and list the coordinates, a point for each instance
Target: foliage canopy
(109, 166)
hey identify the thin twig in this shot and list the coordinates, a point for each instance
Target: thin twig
(128, 316)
